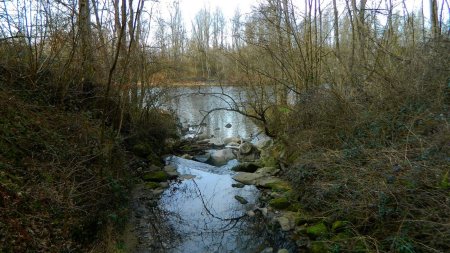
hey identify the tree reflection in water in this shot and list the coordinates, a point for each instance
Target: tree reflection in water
(206, 216)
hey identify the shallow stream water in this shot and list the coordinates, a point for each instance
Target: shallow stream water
(203, 210)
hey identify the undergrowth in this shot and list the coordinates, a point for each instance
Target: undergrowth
(65, 179)
(377, 157)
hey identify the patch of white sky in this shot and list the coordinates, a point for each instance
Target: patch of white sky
(190, 8)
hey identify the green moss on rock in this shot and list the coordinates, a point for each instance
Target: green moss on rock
(157, 176)
(280, 186)
(279, 203)
(152, 185)
(317, 230)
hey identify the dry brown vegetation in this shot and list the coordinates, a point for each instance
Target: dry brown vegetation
(70, 108)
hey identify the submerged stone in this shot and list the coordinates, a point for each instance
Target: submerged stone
(241, 200)
(238, 185)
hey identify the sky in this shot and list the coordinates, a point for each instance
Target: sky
(189, 8)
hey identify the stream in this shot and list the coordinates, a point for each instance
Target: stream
(199, 212)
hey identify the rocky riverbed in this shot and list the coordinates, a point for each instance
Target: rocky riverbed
(226, 200)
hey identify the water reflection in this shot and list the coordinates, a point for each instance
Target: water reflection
(192, 103)
(208, 217)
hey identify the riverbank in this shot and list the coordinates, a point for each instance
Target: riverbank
(65, 179)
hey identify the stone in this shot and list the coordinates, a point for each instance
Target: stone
(284, 223)
(229, 140)
(151, 185)
(202, 136)
(245, 148)
(273, 183)
(171, 171)
(233, 145)
(241, 200)
(202, 158)
(216, 142)
(267, 250)
(283, 251)
(251, 213)
(221, 157)
(164, 185)
(187, 156)
(156, 176)
(228, 125)
(246, 167)
(157, 192)
(187, 177)
(279, 203)
(270, 171)
(263, 211)
(247, 178)
(238, 185)
(287, 221)
(317, 230)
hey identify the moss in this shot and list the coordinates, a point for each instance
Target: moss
(302, 219)
(157, 176)
(279, 203)
(444, 184)
(317, 230)
(338, 225)
(318, 247)
(279, 186)
(152, 185)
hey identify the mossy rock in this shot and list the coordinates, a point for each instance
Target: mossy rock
(318, 247)
(317, 230)
(279, 186)
(295, 207)
(302, 219)
(157, 176)
(280, 203)
(152, 185)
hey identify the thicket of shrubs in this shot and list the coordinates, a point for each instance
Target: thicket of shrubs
(376, 157)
